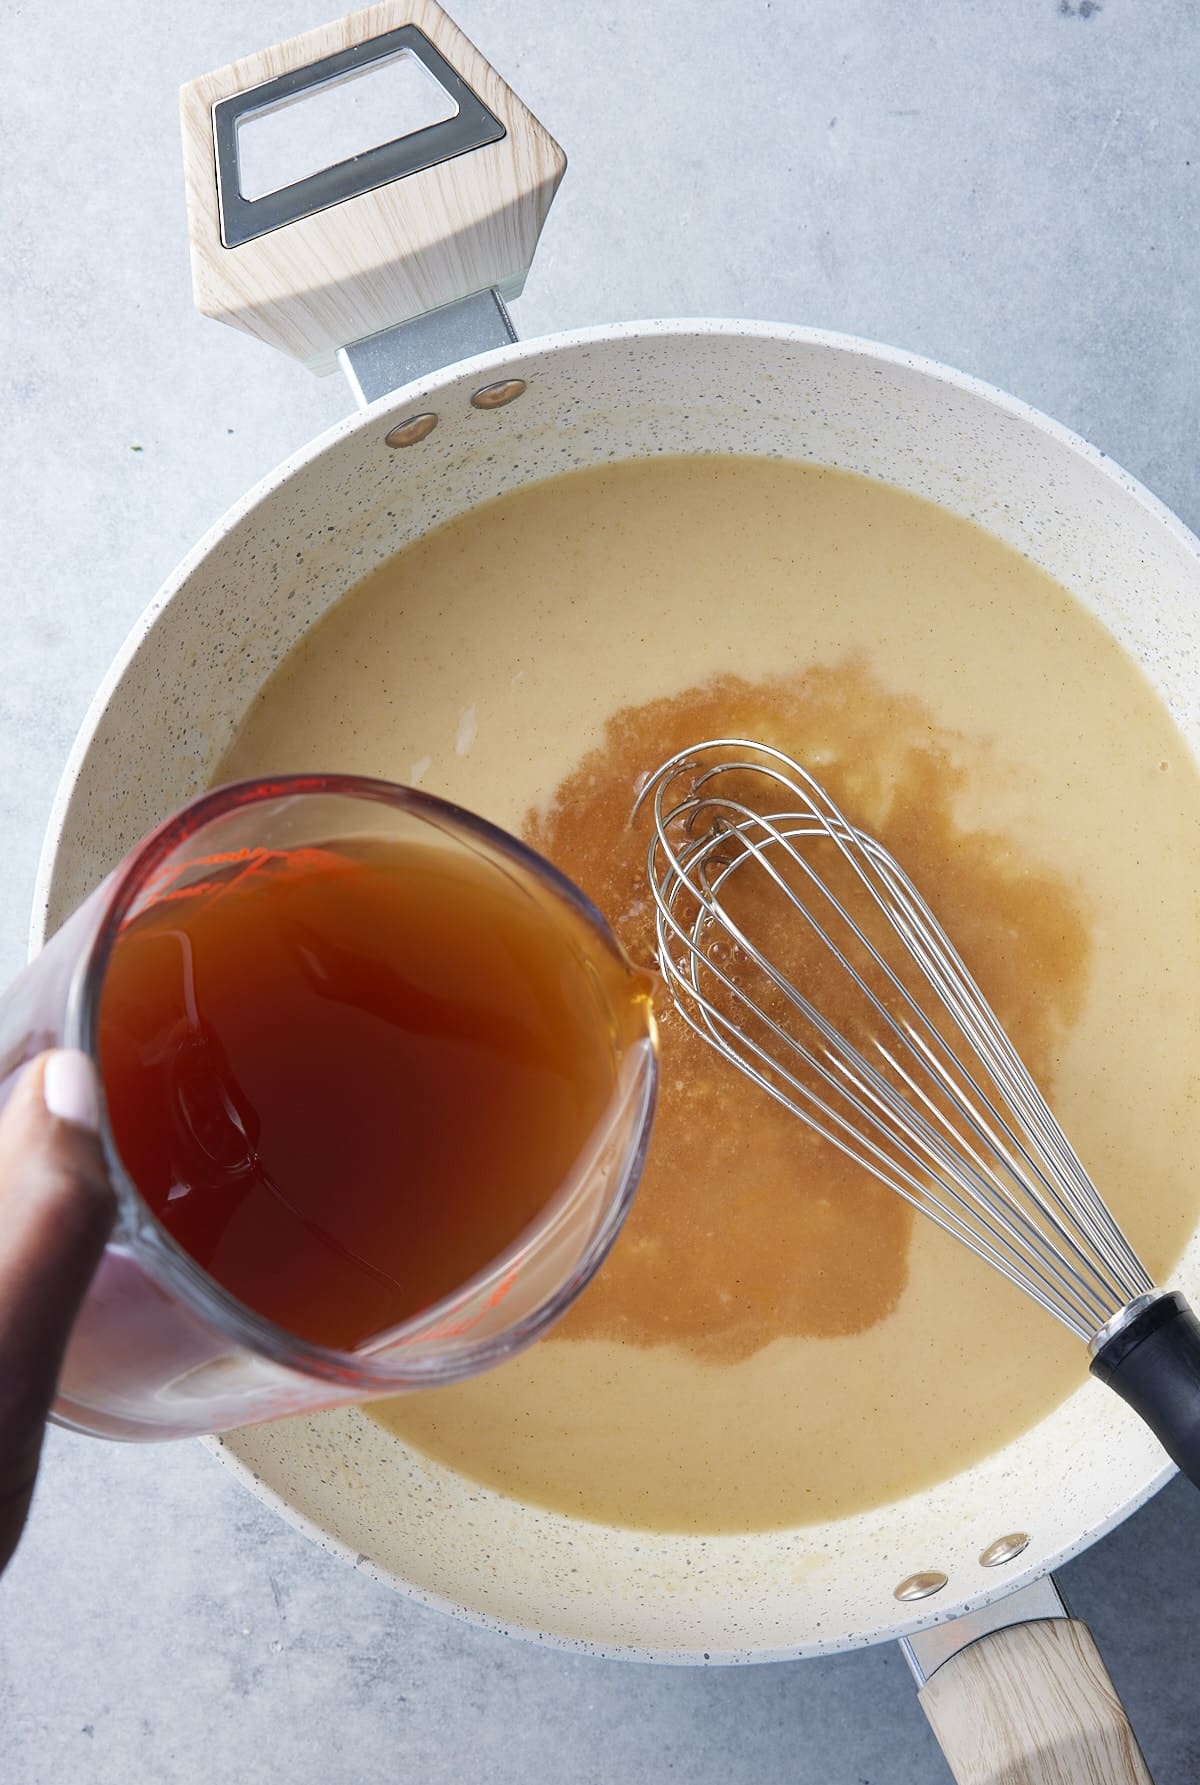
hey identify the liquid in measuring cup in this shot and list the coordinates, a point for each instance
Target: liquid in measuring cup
(344, 1078)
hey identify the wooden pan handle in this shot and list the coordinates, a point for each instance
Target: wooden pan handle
(386, 234)
(1033, 1705)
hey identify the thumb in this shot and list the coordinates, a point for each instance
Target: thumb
(56, 1210)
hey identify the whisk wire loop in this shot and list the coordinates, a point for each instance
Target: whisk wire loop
(874, 1095)
(932, 1098)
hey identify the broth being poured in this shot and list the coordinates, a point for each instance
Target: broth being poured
(346, 1078)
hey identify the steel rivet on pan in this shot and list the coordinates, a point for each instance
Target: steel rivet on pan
(1004, 1549)
(495, 396)
(407, 433)
(921, 1586)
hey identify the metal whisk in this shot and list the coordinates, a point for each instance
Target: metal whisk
(796, 945)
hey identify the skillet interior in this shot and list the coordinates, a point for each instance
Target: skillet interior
(247, 594)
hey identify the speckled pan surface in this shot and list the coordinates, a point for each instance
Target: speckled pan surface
(235, 607)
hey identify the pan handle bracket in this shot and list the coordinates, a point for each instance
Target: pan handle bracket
(927, 1650)
(411, 350)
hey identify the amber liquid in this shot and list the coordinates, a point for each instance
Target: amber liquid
(345, 1079)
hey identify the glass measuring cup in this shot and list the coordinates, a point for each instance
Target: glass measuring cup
(160, 1348)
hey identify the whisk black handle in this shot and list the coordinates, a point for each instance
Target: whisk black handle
(1154, 1364)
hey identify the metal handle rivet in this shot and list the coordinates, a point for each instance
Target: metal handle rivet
(1004, 1549)
(921, 1586)
(407, 433)
(495, 396)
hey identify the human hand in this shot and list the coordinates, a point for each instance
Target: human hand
(56, 1209)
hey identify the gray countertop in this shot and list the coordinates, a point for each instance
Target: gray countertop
(1009, 188)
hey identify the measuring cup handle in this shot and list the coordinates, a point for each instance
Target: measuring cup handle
(390, 231)
(1033, 1702)
(1153, 1363)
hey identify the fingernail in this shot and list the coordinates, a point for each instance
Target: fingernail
(69, 1088)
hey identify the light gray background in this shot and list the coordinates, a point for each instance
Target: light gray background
(1010, 187)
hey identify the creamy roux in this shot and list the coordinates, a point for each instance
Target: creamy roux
(949, 691)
